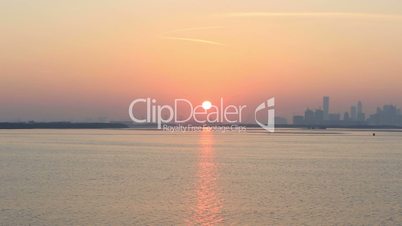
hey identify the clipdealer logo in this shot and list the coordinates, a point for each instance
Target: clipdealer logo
(205, 113)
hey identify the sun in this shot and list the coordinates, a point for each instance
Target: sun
(206, 105)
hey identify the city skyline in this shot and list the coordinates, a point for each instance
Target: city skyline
(386, 115)
(323, 115)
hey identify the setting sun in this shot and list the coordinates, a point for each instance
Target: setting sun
(206, 105)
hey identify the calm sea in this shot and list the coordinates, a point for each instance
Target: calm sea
(134, 177)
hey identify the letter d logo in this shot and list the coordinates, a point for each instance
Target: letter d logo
(269, 105)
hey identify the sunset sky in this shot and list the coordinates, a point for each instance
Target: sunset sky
(87, 60)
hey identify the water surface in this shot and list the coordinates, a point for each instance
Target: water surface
(293, 177)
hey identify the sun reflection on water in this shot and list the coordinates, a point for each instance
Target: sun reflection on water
(208, 204)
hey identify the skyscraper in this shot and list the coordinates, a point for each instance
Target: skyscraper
(359, 108)
(309, 116)
(325, 105)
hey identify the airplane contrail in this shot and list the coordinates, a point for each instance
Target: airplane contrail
(195, 29)
(314, 14)
(195, 40)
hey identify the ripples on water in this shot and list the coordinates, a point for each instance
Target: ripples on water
(208, 209)
(114, 177)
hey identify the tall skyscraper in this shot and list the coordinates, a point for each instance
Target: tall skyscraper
(359, 108)
(325, 106)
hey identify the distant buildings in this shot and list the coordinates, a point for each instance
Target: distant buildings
(346, 117)
(334, 117)
(281, 121)
(298, 120)
(353, 113)
(315, 117)
(389, 115)
(309, 116)
(325, 104)
(360, 115)
(318, 116)
(356, 113)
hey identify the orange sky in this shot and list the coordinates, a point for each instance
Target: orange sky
(69, 60)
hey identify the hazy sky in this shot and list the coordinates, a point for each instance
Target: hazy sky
(86, 60)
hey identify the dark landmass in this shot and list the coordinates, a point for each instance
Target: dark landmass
(122, 125)
(284, 126)
(340, 126)
(61, 125)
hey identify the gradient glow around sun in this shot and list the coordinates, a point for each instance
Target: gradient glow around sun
(206, 105)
